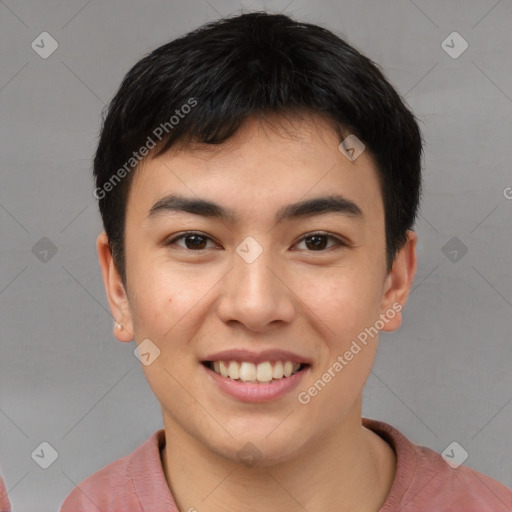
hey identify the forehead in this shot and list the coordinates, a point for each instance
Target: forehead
(267, 164)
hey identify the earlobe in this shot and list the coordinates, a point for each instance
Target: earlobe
(398, 283)
(116, 293)
(121, 333)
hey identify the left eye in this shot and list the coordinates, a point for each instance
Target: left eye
(318, 240)
(197, 241)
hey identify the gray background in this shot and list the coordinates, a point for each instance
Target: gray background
(444, 376)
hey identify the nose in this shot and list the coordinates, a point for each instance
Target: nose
(256, 294)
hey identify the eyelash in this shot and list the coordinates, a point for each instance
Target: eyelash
(339, 242)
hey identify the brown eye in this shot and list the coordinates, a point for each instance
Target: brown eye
(192, 241)
(317, 242)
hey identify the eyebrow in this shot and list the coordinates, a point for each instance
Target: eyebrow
(197, 206)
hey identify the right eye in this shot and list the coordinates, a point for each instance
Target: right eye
(194, 241)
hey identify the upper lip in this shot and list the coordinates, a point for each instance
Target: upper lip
(257, 357)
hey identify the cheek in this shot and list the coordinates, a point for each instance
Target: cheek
(170, 308)
(160, 300)
(346, 303)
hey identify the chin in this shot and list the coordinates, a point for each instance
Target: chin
(255, 450)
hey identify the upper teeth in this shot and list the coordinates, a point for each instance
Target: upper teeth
(249, 372)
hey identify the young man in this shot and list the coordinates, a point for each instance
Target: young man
(258, 180)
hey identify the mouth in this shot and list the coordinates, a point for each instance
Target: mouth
(266, 372)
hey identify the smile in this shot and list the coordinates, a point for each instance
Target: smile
(246, 381)
(245, 371)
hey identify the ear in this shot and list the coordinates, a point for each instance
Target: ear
(398, 283)
(116, 294)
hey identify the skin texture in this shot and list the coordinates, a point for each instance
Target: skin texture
(294, 296)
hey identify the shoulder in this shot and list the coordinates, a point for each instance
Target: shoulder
(5, 506)
(108, 487)
(424, 481)
(457, 488)
(112, 486)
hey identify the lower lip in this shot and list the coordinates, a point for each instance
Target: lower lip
(255, 392)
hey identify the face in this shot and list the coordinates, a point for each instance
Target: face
(260, 279)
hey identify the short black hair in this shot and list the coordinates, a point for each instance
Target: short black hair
(202, 86)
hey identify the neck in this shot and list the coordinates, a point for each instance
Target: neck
(348, 469)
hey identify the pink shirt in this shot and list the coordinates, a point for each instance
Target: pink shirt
(4, 500)
(423, 482)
